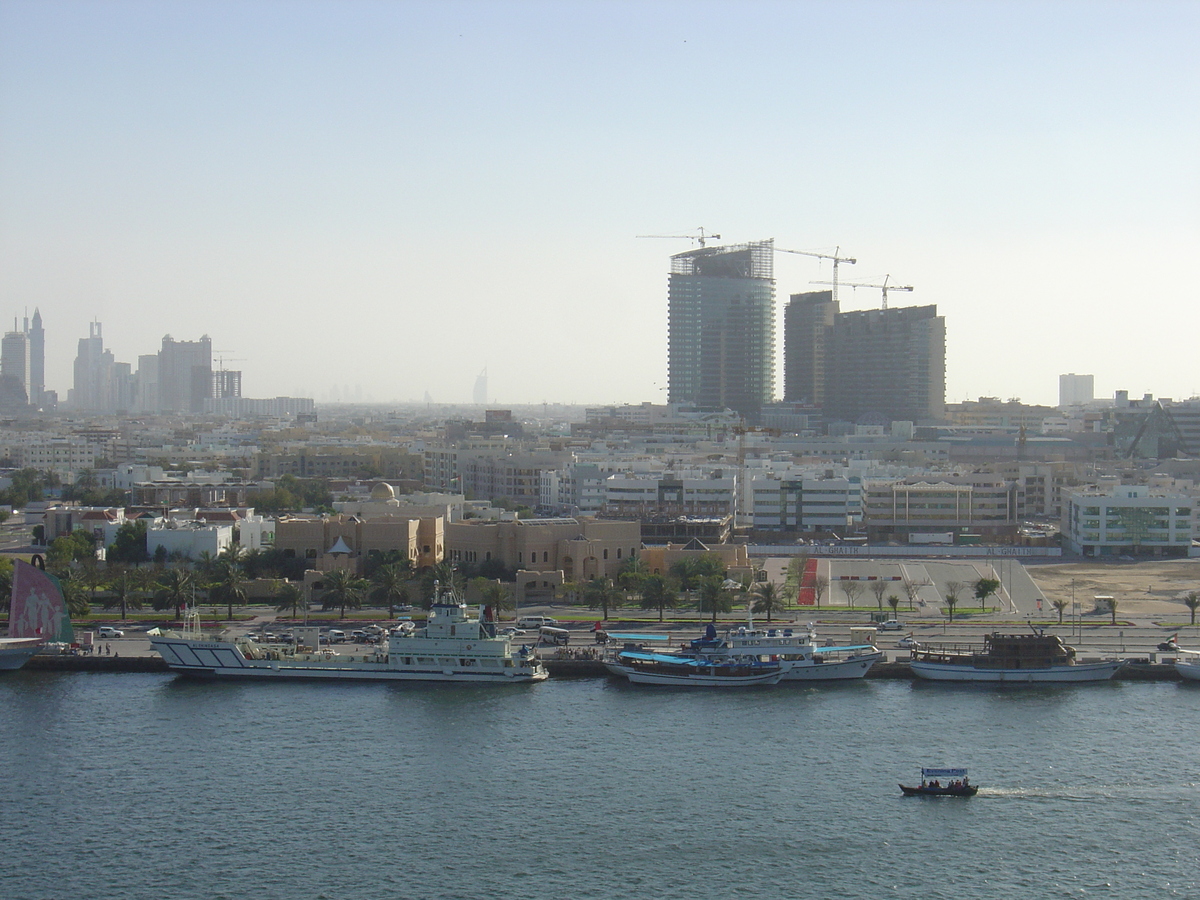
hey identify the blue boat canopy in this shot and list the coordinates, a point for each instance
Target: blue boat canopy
(659, 658)
(943, 773)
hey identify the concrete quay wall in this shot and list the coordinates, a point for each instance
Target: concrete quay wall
(558, 668)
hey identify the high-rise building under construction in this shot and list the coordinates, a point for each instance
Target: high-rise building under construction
(721, 327)
(865, 366)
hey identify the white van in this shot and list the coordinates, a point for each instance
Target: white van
(535, 621)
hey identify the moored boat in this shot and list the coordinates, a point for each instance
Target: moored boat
(453, 646)
(931, 785)
(1187, 664)
(794, 649)
(683, 670)
(1036, 657)
(15, 652)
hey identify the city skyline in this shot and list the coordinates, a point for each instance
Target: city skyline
(396, 196)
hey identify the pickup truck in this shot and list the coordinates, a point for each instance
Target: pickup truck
(891, 625)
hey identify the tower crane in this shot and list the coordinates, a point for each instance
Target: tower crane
(885, 287)
(700, 238)
(834, 256)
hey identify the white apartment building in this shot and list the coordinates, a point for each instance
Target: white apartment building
(1128, 520)
(685, 494)
(812, 503)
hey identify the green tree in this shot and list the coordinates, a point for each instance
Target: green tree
(602, 594)
(78, 545)
(1112, 609)
(659, 592)
(713, 597)
(1192, 601)
(894, 602)
(692, 570)
(984, 588)
(74, 592)
(344, 589)
(175, 588)
(289, 596)
(769, 599)
(498, 596)
(228, 585)
(129, 545)
(391, 584)
(1059, 605)
(122, 589)
(852, 589)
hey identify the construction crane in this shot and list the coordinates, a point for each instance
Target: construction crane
(885, 287)
(701, 237)
(834, 256)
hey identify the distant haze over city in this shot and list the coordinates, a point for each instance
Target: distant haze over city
(375, 202)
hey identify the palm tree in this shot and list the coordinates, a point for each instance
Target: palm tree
(176, 587)
(122, 589)
(289, 595)
(1112, 608)
(659, 593)
(497, 596)
(602, 593)
(1059, 605)
(391, 584)
(712, 596)
(1192, 601)
(92, 576)
(73, 591)
(894, 602)
(229, 584)
(769, 599)
(343, 589)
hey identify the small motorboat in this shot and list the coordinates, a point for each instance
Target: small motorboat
(931, 785)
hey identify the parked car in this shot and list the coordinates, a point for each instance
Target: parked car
(891, 625)
(908, 642)
(535, 621)
(512, 631)
(106, 632)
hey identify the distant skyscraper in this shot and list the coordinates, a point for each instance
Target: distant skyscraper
(185, 374)
(14, 360)
(721, 327)
(37, 359)
(480, 394)
(875, 365)
(95, 374)
(1073, 389)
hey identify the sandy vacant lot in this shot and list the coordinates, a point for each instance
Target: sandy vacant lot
(1140, 588)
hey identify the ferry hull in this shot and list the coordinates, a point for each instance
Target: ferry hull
(840, 670)
(216, 660)
(641, 676)
(1188, 671)
(15, 652)
(1054, 674)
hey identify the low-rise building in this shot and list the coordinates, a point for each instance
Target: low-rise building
(344, 542)
(1127, 521)
(980, 507)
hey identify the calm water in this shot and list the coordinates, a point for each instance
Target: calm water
(150, 787)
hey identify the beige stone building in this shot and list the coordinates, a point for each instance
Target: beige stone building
(344, 542)
(547, 552)
(735, 557)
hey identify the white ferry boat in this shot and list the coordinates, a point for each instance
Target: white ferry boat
(1188, 664)
(15, 652)
(453, 646)
(1036, 657)
(795, 650)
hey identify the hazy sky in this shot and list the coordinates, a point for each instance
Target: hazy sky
(395, 194)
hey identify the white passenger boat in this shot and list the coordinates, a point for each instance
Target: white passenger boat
(453, 646)
(15, 652)
(1188, 664)
(1036, 657)
(794, 649)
